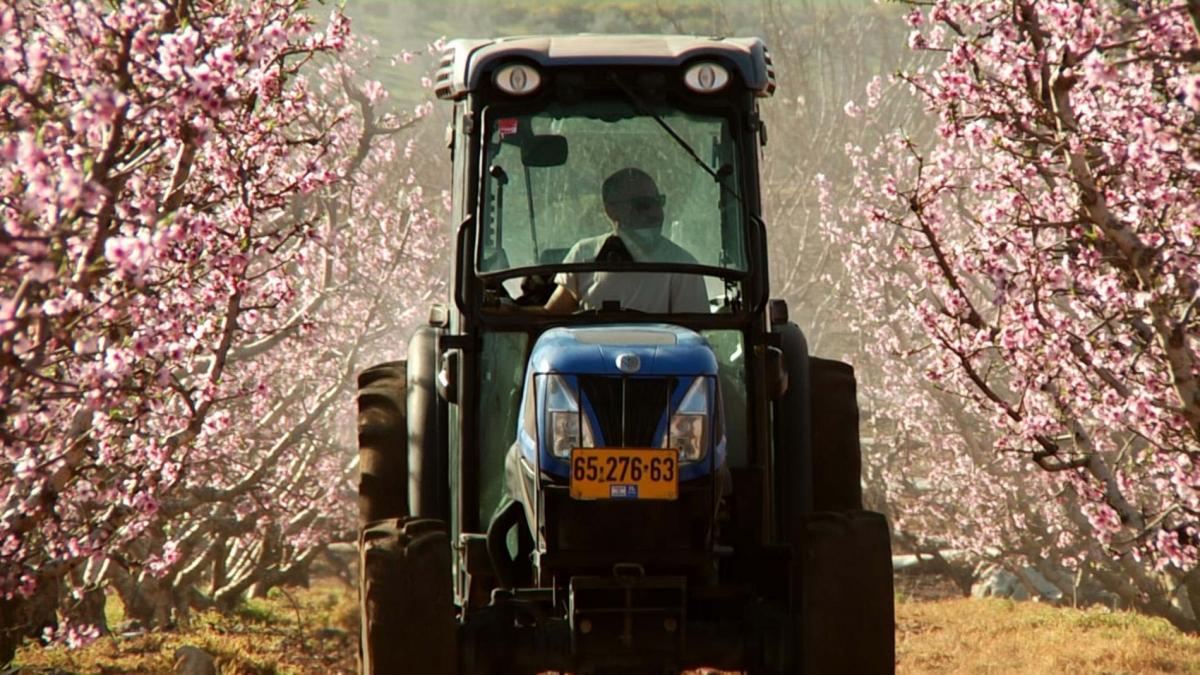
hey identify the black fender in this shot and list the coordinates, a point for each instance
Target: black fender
(837, 453)
(793, 441)
(428, 455)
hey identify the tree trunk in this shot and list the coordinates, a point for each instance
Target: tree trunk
(27, 617)
(147, 602)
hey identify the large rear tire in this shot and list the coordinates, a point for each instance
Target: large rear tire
(843, 574)
(405, 598)
(846, 613)
(382, 443)
(841, 598)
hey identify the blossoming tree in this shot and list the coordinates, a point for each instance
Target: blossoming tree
(208, 227)
(1034, 270)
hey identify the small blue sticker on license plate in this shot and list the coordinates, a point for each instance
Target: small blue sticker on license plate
(623, 491)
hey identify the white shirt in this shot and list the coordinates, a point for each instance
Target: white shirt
(651, 292)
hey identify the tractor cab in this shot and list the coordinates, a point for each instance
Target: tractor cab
(604, 461)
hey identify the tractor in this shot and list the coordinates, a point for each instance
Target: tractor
(640, 484)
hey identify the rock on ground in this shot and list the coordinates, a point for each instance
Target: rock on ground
(190, 660)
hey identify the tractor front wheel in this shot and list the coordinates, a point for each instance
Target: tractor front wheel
(382, 443)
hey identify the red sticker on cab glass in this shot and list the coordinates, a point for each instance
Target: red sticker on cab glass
(508, 126)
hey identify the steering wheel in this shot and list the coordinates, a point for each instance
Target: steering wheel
(536, 289)
(597, 311)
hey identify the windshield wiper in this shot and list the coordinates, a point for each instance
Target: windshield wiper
(718, 175)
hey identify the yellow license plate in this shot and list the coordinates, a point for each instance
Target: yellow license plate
(624, 473)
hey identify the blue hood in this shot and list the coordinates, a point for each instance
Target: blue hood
(661, 349)
(630, 350)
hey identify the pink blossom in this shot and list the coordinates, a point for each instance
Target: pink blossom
(128, 255)
(1190, 90)
(127, 278)
(983, 258)
(70, 636)
(374, 91)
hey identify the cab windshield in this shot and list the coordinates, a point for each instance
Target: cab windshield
(544, 173)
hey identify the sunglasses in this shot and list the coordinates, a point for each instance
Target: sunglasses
(646, 203)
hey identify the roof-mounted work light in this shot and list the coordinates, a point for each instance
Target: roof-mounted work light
(705, 78)
(517, 79)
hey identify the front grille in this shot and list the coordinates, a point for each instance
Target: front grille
(628, 409)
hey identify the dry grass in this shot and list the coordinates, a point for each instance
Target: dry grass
(1001, 636)
(315, 631)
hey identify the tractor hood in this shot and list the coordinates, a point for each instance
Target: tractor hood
(621, 385)
(623, 349)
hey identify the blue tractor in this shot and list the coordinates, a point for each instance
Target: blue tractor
(610, 451)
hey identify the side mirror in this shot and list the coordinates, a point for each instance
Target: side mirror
(776, 373)
(439, 316)
(544, 150)
(757, 295)
(777, 311)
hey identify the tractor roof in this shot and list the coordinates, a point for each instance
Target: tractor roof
(463, 61)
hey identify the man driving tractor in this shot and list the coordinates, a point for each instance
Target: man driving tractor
(634, 205)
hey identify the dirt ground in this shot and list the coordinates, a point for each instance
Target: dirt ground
(314, 630)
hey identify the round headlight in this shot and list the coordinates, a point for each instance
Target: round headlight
(517, 79)
(705, 78)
